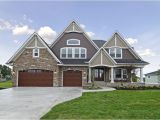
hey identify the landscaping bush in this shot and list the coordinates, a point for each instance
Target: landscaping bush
(137, 87)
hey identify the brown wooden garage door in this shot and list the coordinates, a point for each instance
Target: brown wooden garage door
(72, 78)
(40, 78)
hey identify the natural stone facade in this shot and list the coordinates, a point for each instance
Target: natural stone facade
(45, 61)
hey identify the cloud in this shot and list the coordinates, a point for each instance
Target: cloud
(132, 41)
(90, 34)
(26, 18)
(146, 52)
(5, 25)
(22, 30)
(15, 41)
(82, 26)
(47, 33)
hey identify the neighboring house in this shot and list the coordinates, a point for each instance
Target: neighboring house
(153, 77)
(0, 76)
(74, 60)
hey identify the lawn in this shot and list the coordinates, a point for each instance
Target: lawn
(120, 104)
(6, 84)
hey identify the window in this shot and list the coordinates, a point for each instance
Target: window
(120, 73)
(63, 53)
(112, 52)
(115, 52)
(124, 72)
(73, 42)
(83, 54)
(73, 53)
(36, 52)
(76, 55)
(70, 51)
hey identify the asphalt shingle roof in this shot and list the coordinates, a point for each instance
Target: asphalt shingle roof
(99, 43)
(130, 61)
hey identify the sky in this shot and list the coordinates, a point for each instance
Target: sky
(137, 22)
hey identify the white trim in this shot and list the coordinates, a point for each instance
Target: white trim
(36, 42)
(112, 75)
(101, 57)
(115, 40)
(85, 34)
(101, 65)
(22, 48)
(73, 44)
(73, 52)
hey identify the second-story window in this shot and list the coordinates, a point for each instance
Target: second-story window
(115, 52)
(73, 42)
(73, 53)
(35, 52)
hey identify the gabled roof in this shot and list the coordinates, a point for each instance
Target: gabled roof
(99, 43)
(29, 40)
(153, 73)
(74, 27)
(116, 34)
(100, 54)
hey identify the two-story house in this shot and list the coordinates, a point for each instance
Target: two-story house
(74, 60)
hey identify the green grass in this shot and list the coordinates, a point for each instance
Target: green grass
(120, 104)
(6, 84)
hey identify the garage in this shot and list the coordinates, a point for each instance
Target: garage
(39, 78)
(72, 78)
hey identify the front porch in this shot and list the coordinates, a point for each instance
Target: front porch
(108, 76)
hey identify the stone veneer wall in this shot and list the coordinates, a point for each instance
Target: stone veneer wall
(80, 68)
(45, 61)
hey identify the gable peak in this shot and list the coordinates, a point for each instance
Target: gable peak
(73, 27)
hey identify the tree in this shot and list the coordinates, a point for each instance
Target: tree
(5, 70)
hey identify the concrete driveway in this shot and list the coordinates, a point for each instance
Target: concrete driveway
(33, 102)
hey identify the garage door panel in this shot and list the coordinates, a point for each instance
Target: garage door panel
(72, 78)
(41, 78)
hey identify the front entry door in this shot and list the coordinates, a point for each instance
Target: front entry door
(99, 74)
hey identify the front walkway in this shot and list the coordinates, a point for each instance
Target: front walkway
(33, 102)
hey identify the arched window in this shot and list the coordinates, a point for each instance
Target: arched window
(73, 42)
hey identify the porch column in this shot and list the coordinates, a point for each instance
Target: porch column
(141, 75)
(112, 78)
(89, 75)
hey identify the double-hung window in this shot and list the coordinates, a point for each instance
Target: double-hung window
(120, 73)
(63, 53)
(35, 52)
(115, 52)
(83, 52)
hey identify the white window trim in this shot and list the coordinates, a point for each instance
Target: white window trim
(33, 53)
(73, 44)
(121, 74)
(73, 53)
(116, 52)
